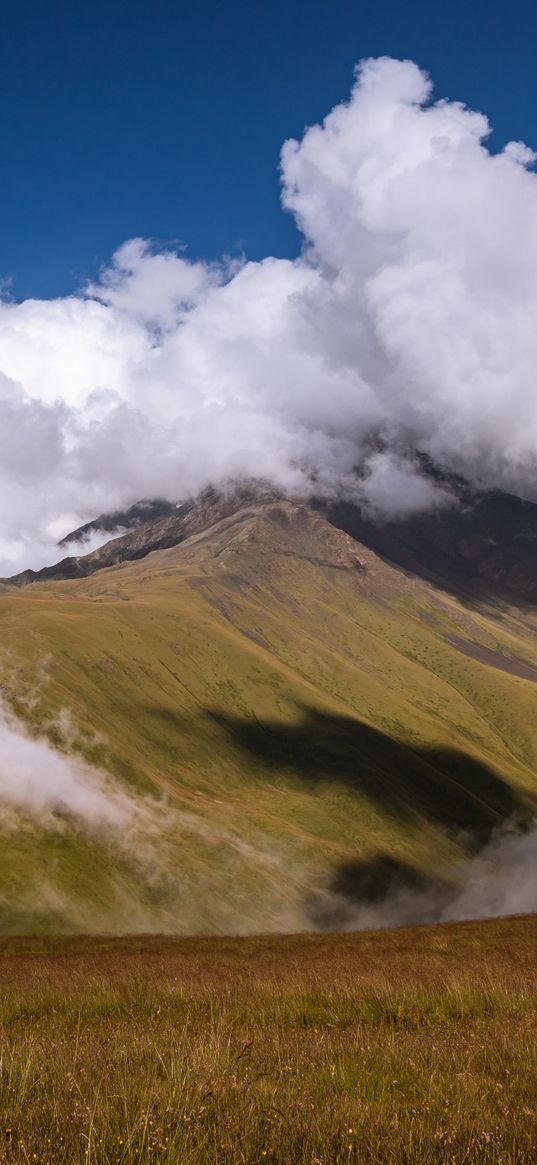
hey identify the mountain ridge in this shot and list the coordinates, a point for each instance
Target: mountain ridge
(484, 545)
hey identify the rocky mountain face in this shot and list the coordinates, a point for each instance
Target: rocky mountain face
(120, 520)
(145, 527)
(484, 546)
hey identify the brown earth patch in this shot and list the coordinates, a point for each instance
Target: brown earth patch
(492, 658)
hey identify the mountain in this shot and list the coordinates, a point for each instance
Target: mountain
(484, 545)
(144, 527)
(124, 520)
(305, 722)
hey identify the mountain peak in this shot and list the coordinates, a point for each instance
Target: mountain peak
(483, 546)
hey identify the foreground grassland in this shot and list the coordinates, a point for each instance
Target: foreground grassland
(405, 1047)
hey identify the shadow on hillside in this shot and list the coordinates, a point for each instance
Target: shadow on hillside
(444, 786)
(372, 884)
(441, 785)
(482, 551)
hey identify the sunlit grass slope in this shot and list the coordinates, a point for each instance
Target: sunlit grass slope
(295, 699)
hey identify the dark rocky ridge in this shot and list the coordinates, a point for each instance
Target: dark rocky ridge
(168, 525)
(484, 547)
(124, 520)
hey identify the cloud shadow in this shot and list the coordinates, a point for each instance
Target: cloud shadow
(446, 786)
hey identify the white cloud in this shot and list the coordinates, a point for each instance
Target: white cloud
(152, 287)
(37, 779)
(407, 324)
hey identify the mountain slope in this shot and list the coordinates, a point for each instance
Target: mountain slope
(486, 546)
(323, 726)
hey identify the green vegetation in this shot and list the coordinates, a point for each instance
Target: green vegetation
(400, 1048)
(299, 712)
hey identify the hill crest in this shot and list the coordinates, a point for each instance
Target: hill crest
(483, 547)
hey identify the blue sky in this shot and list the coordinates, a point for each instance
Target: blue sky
(166, 120)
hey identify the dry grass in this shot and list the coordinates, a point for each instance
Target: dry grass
(404, 1047)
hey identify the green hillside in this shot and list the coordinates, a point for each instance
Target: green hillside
(315, 720)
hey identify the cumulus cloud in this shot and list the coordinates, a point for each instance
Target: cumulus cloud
(152, 288)
(406, 327)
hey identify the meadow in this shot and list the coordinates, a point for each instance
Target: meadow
(410, 1046)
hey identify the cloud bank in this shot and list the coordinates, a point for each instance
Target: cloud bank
(407, 324)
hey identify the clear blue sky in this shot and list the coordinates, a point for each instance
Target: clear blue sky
(165, 119)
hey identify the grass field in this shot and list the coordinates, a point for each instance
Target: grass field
(404, 1047)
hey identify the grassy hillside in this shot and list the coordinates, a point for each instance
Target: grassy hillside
(414, 1047)
(314, 718)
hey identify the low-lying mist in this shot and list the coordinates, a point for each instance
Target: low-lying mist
(139, 847)
(38, 779)
(500, 880)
